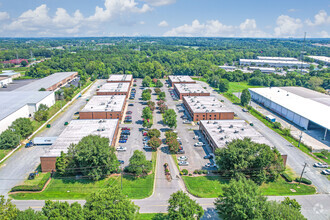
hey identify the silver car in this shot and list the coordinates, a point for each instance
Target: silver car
(320, 165)
(183, 163)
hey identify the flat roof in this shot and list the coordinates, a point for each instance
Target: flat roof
(321, 58)
(224, 131)
(307, 108)
(277, 58)
(77, 129)
(46, 82)
(205, 104)
(120, 77)
(291, 62)
(114, 87)
(262, 68)
(8, 73)
(105, 103)
(180, 79)
(12, 101)
(190, 88)
(309, 94)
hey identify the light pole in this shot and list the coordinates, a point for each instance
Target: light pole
(300, 139)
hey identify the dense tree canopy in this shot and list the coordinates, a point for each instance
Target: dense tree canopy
(9, 139)
(22, 126)
(169, 118)
(138, 164)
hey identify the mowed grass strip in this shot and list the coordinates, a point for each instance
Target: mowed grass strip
(71, 188)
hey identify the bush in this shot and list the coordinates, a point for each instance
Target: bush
(204, 171)
(304, 180)
(287, 177)
(195, 171)
(37, 187)
(184, 171)
(190, 174)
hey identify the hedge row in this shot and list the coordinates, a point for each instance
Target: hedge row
(38, 187)
(287, 177)
(304, 180)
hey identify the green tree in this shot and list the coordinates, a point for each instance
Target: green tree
(62, 163)
(146, 113)
(42, 89)
(257, 161)
(110, 203)
(146, 81)
(181, 207)
(24, 63)
(245, 97)
(22, 126)
(157, 90)
(169, 134)
(159, 84)
(286, 131)
(154, 133)
(146, 96)
(138, 164)
(279, 211)
(162, 96)
(9, 139)
(30, 214)
(173, 144)
(223, 85)
(8, 211)
(151, 105)
(169, 118)
(154, 142)
(277, 125)
(42, 113)
(63, 210)
(241, 199)
(93, 157)
(292, 203)
(163, 108)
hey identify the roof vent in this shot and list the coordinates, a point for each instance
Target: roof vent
(236, 131)
(231, 126)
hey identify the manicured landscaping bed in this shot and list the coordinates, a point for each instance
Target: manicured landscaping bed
(211, 187)
(4, 152)
(321, 157)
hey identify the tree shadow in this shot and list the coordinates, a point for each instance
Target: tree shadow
(210, 213)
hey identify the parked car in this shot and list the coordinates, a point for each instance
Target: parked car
(186, 122)
(182, 158)
(122, 141)
(321, 165)
(128, 116)
(131, 98)
(146, 139)
(120, 148)
(210, 165)
(128, 120)
(126, 128)
(196, 137)
(199, 144)
(66, 123)
(180, 152)
(126, 133)
(129, 112)
(147, 147)
(183, 163)
(145, 133)
(326, 172)
(209, 156)
(130, 104)
(121, 161)
(245, 110)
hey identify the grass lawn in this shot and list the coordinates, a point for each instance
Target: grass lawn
(239, 86)
(4, 152)
(211, 187)
(321, 156)
(70, 188)
(34, 181)
(150, 216)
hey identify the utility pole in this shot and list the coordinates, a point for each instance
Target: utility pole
(300, 139)
(302, 173)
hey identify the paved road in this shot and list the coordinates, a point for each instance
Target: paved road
(296, 158)
(17, 167)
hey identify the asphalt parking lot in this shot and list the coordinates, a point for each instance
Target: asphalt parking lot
(134, 141)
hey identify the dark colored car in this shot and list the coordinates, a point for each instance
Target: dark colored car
(121, 161)
(128, 120)
(129, 112)
(122, 141)
(131, 104)
(126, 133)
(208, 157)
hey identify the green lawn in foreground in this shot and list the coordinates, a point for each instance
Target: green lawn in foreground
(211, 187)
(65, 188)
(150, 216)
(4, 152)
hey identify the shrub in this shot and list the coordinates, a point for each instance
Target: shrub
(190, 174)
(37, 187)
(287, 177)
(304, 180)
(204, 171)
(195, 171)
(200, 171)
(184, 171)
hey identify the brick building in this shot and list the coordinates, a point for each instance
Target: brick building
(104, 107)
(73, 133)
(180, 79)
(190, 89)
(120, 78)
(114, 89)
(207, 108)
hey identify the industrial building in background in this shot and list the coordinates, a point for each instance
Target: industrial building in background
(22, 104)
(50, 83)
(207, 108)
(180, 79)
(73, 133)
(10, 73)
(324, 59)
(308, 109)
(104, 107)
(190, 89)
(120, 78)
(274, 62)
(114, 89)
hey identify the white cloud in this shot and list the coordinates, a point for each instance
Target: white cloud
(4, 16)
(324, 34)
(141, 22)
(212, 28)
(160, 2)
(321, 18)
(292, 10)
(287, 26)
(116, 8)
(249, 29)
(163, 24)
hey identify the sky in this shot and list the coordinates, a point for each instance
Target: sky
(189, 18)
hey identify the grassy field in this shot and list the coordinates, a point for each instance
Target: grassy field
(211, 187)
(151, 216)
(34, 181)
(239, 86)
(4, 152)
(70, 188)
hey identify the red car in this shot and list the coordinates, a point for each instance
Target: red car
(145, 133)
(125, 128)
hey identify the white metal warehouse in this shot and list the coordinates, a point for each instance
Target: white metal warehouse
(304, 112)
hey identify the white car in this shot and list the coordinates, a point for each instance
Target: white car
(182, 158)
(120, 148)
(211, 165)
(183, 163)
(321, 165)
(147, 147)
(326, 172)
(199, 144)
(196, 137)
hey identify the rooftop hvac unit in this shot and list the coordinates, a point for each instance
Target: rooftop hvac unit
(208, 122)
(219, 127)
(235, 132)
(204, 107)
(215, 122)
(102, 103)
(213, 104)
(207, 110)
(212, 110)
(197, 101)
(115, 103)
(221, 138)
(198, 107)
(227, 142)
(231, 126)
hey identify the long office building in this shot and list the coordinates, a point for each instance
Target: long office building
(114, 89)
(273, 63)
(306, 108)
(104, 107)
(73, 133)
(277, 58)
(180, 79)
(120, 78)
(207, 108)
(190, 89)
(22, 104)
(324, 59)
